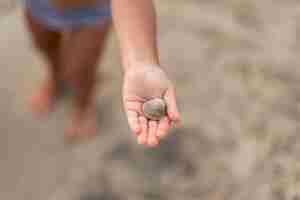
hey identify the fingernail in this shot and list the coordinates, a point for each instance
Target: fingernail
(137, 130)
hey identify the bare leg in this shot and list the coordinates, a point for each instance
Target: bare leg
(80, 55)
(47, 42)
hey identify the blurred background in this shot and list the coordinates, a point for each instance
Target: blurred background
(235, 64)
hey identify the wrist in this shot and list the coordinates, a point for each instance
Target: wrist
(131, 61)
(140, 66)
(132, 65)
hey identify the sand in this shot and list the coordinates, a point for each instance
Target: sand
(236, 69)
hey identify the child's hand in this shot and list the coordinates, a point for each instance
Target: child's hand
(142, 83)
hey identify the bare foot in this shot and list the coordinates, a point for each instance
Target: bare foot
(83, 123)
(42, 101)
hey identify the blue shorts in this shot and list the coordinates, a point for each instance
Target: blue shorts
(67, 19)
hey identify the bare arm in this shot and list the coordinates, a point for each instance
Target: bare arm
(135, 23)
(143, 78)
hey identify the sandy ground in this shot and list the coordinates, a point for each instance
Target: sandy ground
(235, 66)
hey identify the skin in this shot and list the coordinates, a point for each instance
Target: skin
(48, 43)
(68, 64)
(144, 79)
(74, 61)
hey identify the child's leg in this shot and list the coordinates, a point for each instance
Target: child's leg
(47, 42)
(80, 55)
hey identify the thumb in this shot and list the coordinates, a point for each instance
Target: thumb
(172, 109)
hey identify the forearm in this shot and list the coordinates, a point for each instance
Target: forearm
(135, 24)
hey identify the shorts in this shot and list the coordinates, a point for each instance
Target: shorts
(67, 19)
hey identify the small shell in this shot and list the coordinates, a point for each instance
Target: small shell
(154, 109)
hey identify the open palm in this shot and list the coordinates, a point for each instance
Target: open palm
(140, 85)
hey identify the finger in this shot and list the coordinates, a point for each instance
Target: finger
(152, 138)
(133, 121)
(142, 138)
(163, 126)
(172, 109)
